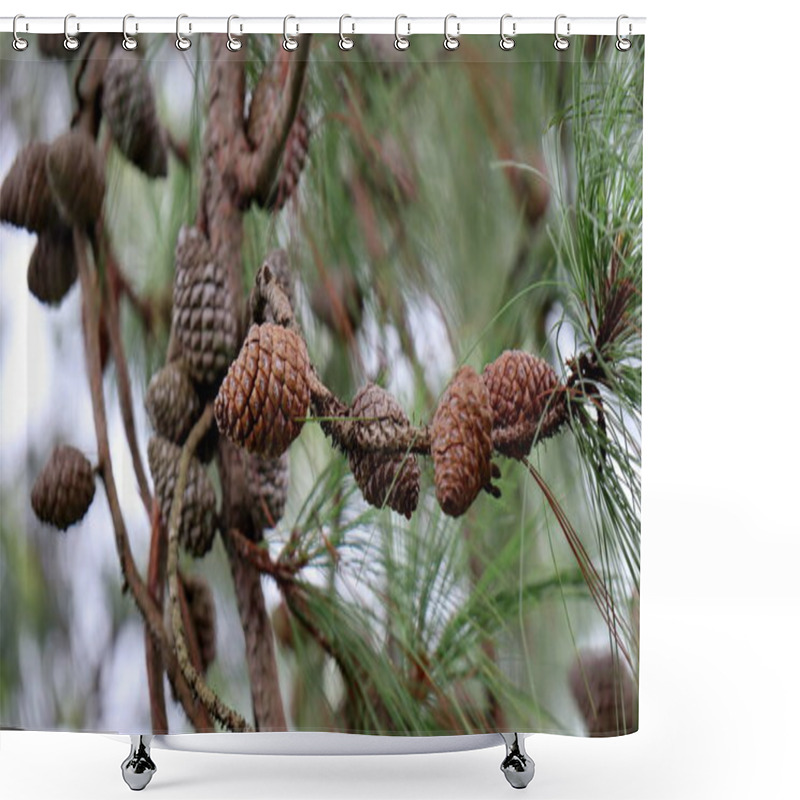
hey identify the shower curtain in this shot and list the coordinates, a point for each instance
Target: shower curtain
(321, 385)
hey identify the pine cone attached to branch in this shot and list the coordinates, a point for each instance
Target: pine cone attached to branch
(25, 198)
(129, 107)
(263, 400)
(172, 403)
(75, 172)
(293, 161)
(64, 489)
(200, 600)
(202, 315)
(391, 480)
(52, 269)
(198, 515)
(260, 125)
(268, 482)
(605, 694)
(461, 443)
(521, 391)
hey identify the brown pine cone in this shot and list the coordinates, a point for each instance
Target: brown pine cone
(264, 398)
(268, 483)
(260, 125)
(76, 176)
(129, 107)
(198, 514)
(25, 197)
(202, 314)
(52, 269)
(200, 599)
(461, 442)
(605, 694)
(392, 479)
(522, 392)
(172, 403)
(64, 489)
(295, 153)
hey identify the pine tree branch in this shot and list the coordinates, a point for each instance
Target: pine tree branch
(132, 580)
(155, 664)
(225, 715)
(123, 377)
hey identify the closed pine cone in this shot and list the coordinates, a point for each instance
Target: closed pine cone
(268, 482)
(200, 599)
(52, 269)
(521, 388)
(198, 514)
(129, 108)
(202, 315)
(293, 161)
(264, 398)
(76, 177)
(64, 489)
(605, 694)
(260, 125)
(25, 197)
(172, 403)
(461, 442)
(391, 479)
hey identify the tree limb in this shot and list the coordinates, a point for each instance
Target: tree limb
(225, 715)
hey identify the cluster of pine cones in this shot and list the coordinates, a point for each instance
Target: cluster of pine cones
(52, 187)
(266, 396)
(204, 326)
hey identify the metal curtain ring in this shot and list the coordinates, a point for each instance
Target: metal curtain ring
(289, 42)
(506, 41)
(401, 42)
(560, 42)
(19, 44)
(71, 43)
(233, 44)
(181, 42)
(345, 42)
(451, 42)
(623, 43)
(128, 42)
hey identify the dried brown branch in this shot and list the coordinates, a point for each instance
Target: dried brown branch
(124, 381)
(155, 664)
(225, 715)
(132, 580)
(260, 558)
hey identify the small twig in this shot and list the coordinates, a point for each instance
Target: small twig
(194, 651)
(225, 715)
(155, 664)
(123, 378)
(260, 558)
